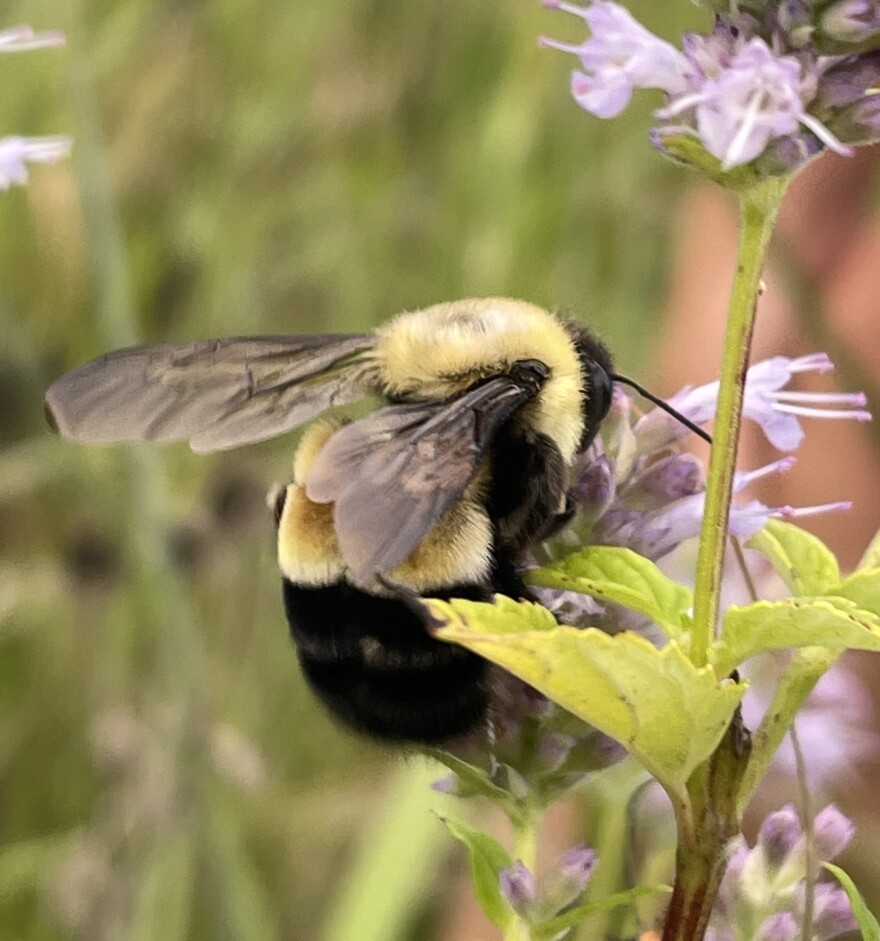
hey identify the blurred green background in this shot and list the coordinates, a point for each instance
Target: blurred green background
(260, 167)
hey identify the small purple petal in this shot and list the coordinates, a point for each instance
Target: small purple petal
(619, 56)
(781, 927)
(448, 784)
(832, 912)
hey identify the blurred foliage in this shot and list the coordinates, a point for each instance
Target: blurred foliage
(260, 167)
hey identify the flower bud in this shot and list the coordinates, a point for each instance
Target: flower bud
(779, 833)
(576, 866)
(851, 20)
(519, 888)
(832, 832)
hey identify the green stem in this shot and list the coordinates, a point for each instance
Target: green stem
(758, 207)
(525, 849)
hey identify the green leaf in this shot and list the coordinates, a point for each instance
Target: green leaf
(474, 779)
(610, 573)
(868, 924)
(667, 712)
(805, 563)
(574, 916)
(487, 858)
(832, 623)
(862, 588)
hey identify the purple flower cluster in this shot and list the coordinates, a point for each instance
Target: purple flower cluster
(638, 489)
(773, 83)
(17, 152)
(764, 890)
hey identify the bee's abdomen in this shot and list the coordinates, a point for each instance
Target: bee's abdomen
(373, 664)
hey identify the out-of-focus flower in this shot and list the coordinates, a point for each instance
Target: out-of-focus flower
(750, 92)
(17, 152)
(23, 38)
(766, 885)
(832, 831)
(835, 726)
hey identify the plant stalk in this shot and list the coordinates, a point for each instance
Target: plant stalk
(525, 849)
(758, 208)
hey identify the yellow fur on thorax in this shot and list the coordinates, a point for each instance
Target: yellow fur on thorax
(442, 350)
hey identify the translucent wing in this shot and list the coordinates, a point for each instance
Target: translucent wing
(393, 474)
(217, 393)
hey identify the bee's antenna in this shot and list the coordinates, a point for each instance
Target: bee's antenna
(696, 429)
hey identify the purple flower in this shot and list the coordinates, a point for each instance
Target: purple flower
(657, 532)
(17, 152)
(751, 90)
(766, 886)
(757, 97)
(619, 55)
(22, 38)
(765, 401)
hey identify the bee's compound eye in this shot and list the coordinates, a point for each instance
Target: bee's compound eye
(529, 373)
(601, 392)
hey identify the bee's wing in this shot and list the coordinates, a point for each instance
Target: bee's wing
(217, 393)
(392, 474)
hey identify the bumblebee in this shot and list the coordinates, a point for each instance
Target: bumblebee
(437, 493)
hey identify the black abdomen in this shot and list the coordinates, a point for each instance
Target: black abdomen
(373, 664)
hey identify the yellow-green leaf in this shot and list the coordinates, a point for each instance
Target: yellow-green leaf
(868, 925)
(611, 573)
(805, 563)
(863, 589)
(487, 858)
(833, 623)
(667, 712)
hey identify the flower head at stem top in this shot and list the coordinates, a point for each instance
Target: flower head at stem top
(753, 91)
